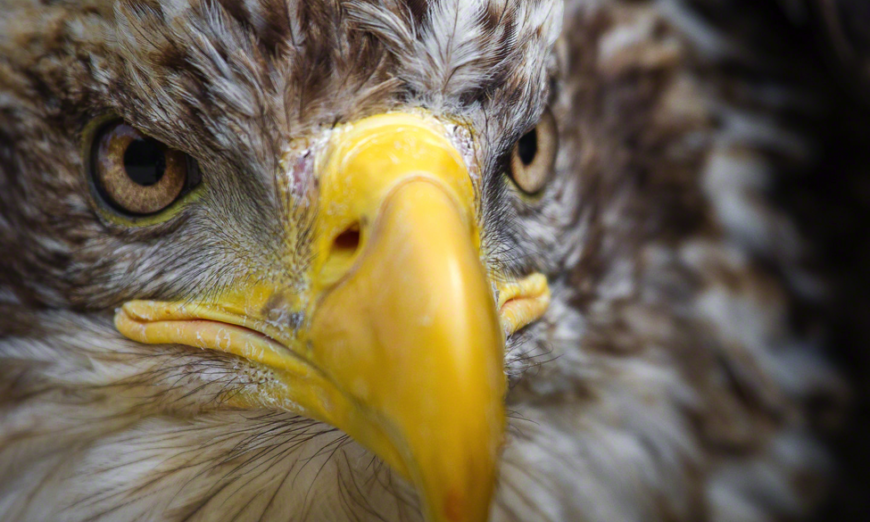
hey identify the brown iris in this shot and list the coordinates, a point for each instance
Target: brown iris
(135, 173)
(533, 156)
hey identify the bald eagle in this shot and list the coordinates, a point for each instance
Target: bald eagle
(400, 260)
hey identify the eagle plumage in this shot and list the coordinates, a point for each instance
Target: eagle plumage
(668, 380)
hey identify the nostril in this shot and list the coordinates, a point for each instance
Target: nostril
(342, 253)
(348, 241)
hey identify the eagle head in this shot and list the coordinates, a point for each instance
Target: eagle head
(293, 207)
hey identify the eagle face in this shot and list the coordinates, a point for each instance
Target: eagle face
(296, 208)
(292, 260)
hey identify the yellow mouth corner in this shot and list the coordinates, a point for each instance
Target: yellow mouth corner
(403, 345)
(522, 302)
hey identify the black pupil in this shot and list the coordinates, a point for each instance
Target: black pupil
(527, 148)
(145, 162)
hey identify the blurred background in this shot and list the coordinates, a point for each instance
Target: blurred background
(823, 47)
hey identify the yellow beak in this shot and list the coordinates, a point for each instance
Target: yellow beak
(403, 344)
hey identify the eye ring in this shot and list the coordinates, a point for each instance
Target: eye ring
(534, 155)
(136, 175)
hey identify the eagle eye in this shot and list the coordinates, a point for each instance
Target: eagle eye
(533, 156)
(136, 174)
